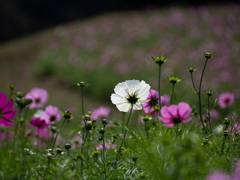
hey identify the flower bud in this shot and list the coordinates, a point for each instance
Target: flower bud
(68, 146)
(95, 154)
(156, 108)
(82, 84)
(53, 129)
(59, 150)
(100, 138)
(27, 151)
(226, 121)
(191, 70)
(208, 55)
(205, 142)
(49, 155)
(134, 158)
(89, 113)
(67, 114)
(87, 117)
(146, 118)
(19, 95)
(225, 133)
(174, 79)
(209, 93)
(160, 59)
(104, 122)
(78, 155)
(28, 101)
(101, 130)
(11, 87)
(88, 125)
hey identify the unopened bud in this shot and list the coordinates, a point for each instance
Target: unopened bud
(68, 146)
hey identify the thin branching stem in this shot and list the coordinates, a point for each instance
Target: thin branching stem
(159, 92)
(119, 150)
(199, 97)
(57, 134)
(172, 93)
(82, 103)
(209, 115)
(193, 83)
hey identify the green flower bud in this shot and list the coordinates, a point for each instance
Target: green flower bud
(226, 121)
(209, 93)
(11, 87)
(225, 133)
(104, 122)
(67, 114)
(146, 118)
(101, 130)
(53, 129)
(82, 84)
(95, 155)
(208, 55)
(78, 155)
(68, 146)
(89, 113)
(191, 70)
(100, 138)
(156, 108)
(88, 125)
(205, 142)
(49, 155)
(19, 95)
(174, 79)
(160, 59)
(134, 158)
(59, 150)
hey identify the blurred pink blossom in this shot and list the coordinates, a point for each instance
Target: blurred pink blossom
(39, 97)
(51, 114)
(225, 99)
(101, 112)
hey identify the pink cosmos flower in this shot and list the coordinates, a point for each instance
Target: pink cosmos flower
(175, 114)
(222, 176)
(225, 99)
(153, 98)
(100, 112)
(107, 146)
(6, 112)
(51, 114)
(39, 97)
(39, 123)
(3, 136)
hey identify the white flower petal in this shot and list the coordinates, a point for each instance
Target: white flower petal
(143, 90)
(133, 85)
(124, 107)
(121, 89)
(143, 101)
(137, 106)
(116, 99)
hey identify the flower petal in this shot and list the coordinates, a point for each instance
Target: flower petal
(10, 114)
(169, 124)
(165, 113)
(124, 107)
(184, 110)
(121, 89)
(6, 123)
(133, 85)
(3, 100)
(186, 120)
(137, 106)
(173, 110)
(116, 99)
(143, 90)
(166, 120)
(8, 107)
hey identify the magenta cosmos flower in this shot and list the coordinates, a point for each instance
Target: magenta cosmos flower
(225, 99)
(6, 112)
(100, 112)
(175, 114)
(153, 100)
(51, 114)
(39, 123)
(39, 97)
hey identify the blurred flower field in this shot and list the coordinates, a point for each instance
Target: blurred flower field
(147, 94)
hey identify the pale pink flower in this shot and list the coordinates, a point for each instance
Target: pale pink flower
(175, 114)
(225, 99)
(102, 112)
(51, 114)
(107, 146)
(39, 97)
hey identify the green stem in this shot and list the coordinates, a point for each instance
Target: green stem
(57, 134)
(176, 130)
(104, 157)
(159, 76)
(199, 97)
(146, 130)
(172, 93)
(193, 82)
(82, 151)
(119, 150)
(82, 103)
(223, 143)
(209, 115)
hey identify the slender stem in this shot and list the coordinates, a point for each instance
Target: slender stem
(82, 103)
(57, 134)
(38, 138)
(29, 170)
(193, 82)
(119, 150)
(209, 115)
(104, 157)
(82, 151)
(199, 97)
(159, 76)
(146, 130)
(223, 143)
(172, 93)
(176, 130)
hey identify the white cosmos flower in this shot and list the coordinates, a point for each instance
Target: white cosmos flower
(130, 92)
